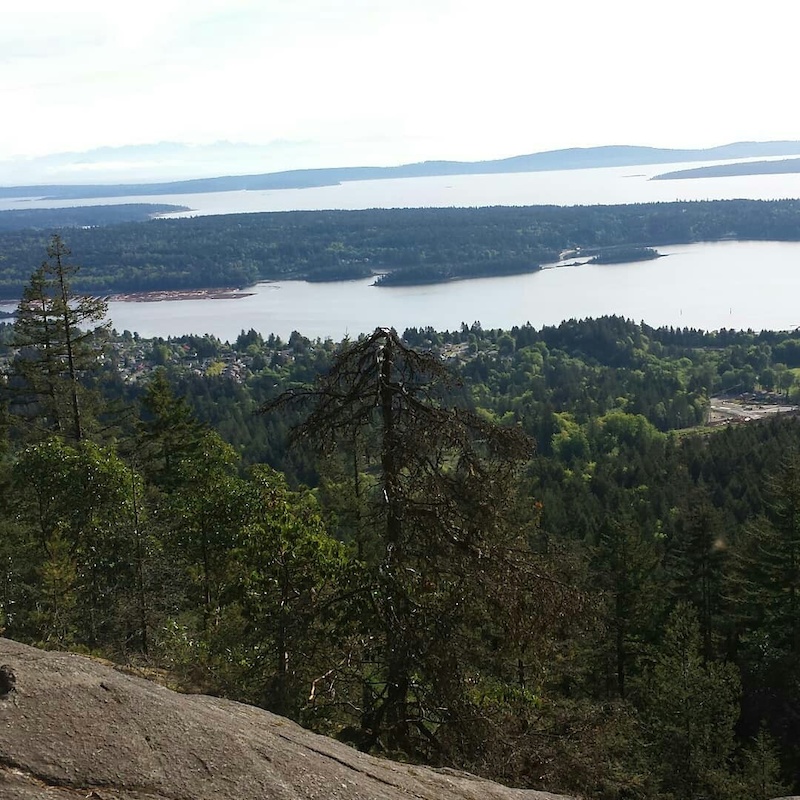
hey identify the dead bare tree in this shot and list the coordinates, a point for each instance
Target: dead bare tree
(435, 480)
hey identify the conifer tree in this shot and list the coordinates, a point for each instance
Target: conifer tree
(59, 334)
(168, 432)
(761, 769)
(690, 708)
(625, 559)
(440, 482)
(695, 560)
(75, 501)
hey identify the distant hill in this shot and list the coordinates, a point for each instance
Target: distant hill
(573, 158)
(784, 166)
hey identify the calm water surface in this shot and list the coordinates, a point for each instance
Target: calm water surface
(562, 187)
(710, 286)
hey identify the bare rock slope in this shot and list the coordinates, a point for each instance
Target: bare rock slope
(71, 727)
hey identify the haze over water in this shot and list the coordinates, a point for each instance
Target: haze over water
(559, 187)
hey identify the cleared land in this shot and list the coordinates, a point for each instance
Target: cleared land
(748, 408)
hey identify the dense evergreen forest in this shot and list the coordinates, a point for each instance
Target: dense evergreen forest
(50, 219)
(400, 245)
(622, 255)
(522, 553)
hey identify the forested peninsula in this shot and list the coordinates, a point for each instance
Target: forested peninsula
(783, 166)
(50, 219)
(401, 245)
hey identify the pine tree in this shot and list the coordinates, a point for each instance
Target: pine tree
(761, 769)
(439, 483)
(625, 562)
(764, 586)
(35, 384)
(695, 560)
(168, 432)
(691, 708)
(59, 335)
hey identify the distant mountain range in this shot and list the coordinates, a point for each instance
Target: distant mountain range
(572, 158)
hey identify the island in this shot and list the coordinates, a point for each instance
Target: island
(780, 167)
(625, 255)
(487, 268)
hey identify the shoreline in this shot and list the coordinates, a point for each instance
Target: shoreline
(171, 295)
(157, 296)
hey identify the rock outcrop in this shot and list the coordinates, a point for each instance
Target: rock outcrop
(71, 727)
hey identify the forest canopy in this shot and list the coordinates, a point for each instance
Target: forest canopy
(636, 544)
(401, 245)
(522, 553)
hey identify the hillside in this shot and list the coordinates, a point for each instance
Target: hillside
(74, 727)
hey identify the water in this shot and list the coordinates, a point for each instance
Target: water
(566, 187)
(710, 286)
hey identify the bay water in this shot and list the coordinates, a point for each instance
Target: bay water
(709, 285)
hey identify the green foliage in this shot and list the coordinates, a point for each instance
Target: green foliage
(690, 711)
(625, 561)
(761, 769)
(613, 616)
(624, 255)
(48, 219)
(59, 336)
(290, 573)
(208, 508)
(414, 245)
(75, 501)
(168, 433)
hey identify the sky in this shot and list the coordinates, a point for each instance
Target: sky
(316, 83)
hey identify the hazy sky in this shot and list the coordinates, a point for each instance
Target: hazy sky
(344, 82)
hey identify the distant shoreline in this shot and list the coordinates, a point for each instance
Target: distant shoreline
(171, 295)
(156, 296)
(574, 158)
(786, 166)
